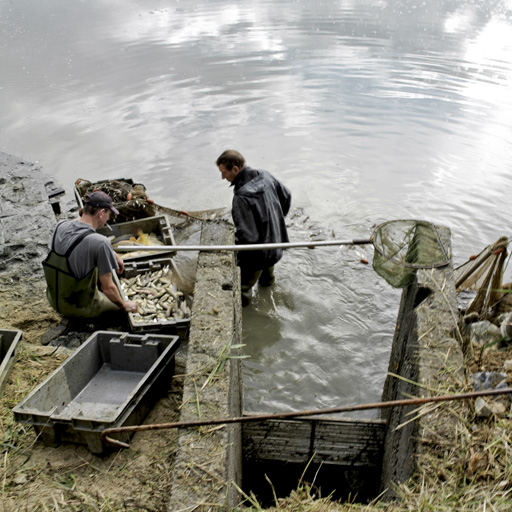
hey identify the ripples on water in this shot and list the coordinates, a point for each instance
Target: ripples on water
(367, 110)
(327, 338)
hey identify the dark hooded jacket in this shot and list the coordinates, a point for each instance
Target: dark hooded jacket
(260, 204)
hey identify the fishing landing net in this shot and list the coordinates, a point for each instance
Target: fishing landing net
(403, 246)
(483, 274)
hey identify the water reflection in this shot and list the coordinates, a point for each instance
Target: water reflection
(367, 111)
(333, 343)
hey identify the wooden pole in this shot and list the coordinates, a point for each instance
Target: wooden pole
(299, 414)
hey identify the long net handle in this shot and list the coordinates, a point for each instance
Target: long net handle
(242, 247)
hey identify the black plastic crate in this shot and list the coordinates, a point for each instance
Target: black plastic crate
(139, 324)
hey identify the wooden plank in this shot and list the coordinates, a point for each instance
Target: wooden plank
(343, 442)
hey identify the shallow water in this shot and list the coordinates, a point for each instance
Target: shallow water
(368, 111)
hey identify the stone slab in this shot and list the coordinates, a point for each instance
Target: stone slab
(209, 460)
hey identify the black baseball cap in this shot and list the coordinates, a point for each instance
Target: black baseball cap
(99, 199)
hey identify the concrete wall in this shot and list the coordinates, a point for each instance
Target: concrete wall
(209, 459)
(426, 355)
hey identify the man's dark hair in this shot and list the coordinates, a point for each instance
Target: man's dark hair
(229, 158)
(90, 210)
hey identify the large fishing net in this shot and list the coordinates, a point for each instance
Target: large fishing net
(128, 197)
(481, 277)
(403, 246)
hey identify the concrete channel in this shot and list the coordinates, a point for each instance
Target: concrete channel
(363, 457)
(212, 463)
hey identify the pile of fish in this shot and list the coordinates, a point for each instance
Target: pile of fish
(157, 297)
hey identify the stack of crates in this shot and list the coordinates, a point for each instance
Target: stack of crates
(141, 263)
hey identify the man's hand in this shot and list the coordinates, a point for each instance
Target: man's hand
(130, 306)
(109, 288)
(120, 262)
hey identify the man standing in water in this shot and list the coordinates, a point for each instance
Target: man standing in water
(80, 259)
(260, 204)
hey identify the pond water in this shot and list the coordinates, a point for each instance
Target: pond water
(368, 111)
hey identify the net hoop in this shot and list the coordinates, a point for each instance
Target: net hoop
(380, 247)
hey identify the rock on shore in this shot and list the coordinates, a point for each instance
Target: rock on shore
(26, 218)
(27, 221)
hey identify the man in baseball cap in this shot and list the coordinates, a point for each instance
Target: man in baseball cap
(78, 269)
(100, 200)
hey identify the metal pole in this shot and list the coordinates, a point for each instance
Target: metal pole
(262, 417)
(246, 247)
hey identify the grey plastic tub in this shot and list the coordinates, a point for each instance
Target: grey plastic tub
(112, 380)
(9, 344)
